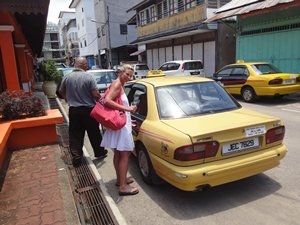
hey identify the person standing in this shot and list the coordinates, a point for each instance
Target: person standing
(80, 91)
(121, 140)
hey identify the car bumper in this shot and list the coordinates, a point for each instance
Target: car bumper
(281, 90)
(219, 172)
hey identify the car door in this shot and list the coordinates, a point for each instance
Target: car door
(137, 96)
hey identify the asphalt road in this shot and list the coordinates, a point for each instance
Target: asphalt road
(269, 198)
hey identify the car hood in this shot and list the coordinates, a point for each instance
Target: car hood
(218, 122)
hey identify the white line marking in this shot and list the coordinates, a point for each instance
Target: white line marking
(291, 110)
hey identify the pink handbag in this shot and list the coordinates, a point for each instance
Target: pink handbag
(107, 117)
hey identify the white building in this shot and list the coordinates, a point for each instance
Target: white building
(87, 33)
(68, 35)
(114, 34)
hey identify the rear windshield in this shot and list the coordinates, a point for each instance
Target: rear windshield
(142, 67)
(193, 65)
(261, 69)
(185, 100)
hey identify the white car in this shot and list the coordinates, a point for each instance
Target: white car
(140, 71)
(103, 77)
(183, 68)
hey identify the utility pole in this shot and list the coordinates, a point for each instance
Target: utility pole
(109, 40)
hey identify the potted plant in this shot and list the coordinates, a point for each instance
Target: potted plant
(50, 76)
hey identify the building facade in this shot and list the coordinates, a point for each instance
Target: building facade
(68, 36)
(267, 31)
(113, 32)
(51, 46)
(174, 30)
(87, 33)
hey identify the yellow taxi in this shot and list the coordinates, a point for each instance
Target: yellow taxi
(191, 133)
(254, 79)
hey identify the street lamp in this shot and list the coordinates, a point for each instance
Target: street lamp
(107, 38)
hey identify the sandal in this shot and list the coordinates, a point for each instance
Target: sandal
(131, 191)
(130, 180)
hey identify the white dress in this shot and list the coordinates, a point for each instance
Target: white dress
(120, 139)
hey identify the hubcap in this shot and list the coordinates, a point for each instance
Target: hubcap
(143, 163)
(247, 95)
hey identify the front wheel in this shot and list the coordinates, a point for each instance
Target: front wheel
(248, 94)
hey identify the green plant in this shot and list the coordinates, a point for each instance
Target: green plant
(19, 105)
(49, 71)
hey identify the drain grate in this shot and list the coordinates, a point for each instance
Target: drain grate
(91, 203)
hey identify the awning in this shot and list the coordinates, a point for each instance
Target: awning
(244, 9)
(137, 52)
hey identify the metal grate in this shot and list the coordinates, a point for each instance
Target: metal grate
(92, 206)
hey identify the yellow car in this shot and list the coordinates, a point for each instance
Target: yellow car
(254, 79)
(191, 133)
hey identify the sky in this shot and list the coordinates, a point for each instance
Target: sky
(55, 7)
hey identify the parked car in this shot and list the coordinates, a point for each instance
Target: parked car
(183, 67)
(63, 71)
(254, 79)
(103, 77)
(191, 133)
(140, 70)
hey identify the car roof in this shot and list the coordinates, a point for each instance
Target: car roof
(184, 61)
(66, 68)
(246, 63)
(171, 80)
(100, 70)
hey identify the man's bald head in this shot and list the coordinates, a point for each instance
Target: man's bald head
(81, 63)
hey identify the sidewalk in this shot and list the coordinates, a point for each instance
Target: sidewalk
(36, 189)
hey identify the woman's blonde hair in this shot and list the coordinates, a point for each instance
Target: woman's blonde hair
(126, 67)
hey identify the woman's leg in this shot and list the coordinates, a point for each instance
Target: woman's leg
(116, 161)
(123, 167)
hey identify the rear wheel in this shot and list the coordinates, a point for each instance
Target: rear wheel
(248, 94)
(146, 168)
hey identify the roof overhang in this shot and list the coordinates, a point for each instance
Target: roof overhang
(139, 5)
(246, 7)
(29, 17)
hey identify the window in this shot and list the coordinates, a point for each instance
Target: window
(180, 6)
(159, 11)
(103, 30)
(152, 14)
(85, 43)
(239, 71)
(189, 4)
(225, 72)
(123, 29)
(147, 16)
(142, 16)
(98, 32)
(165, 8)
(171, 7)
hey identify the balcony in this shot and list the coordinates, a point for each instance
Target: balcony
(184, 19)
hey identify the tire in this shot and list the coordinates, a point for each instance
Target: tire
(146, 168)
(248, 94)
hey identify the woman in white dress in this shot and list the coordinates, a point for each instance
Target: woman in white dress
(121, 141)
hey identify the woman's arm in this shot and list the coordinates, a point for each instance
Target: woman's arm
(114, 91)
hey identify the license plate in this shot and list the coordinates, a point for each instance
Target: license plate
(240, 146)
(289, 81)
(195, 73)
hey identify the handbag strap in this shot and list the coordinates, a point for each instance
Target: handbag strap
(117, 99)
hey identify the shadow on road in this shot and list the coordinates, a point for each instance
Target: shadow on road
(201, 204)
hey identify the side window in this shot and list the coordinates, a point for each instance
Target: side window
(139, 99)
(225, 72)
(173, 66)
(164, 67)
(239, 71)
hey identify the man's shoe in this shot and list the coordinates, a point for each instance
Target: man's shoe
(101, 156)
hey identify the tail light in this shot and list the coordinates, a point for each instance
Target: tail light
(196, 151)
(182, 67)
(298, 79)
(275, 134)
(276, 81)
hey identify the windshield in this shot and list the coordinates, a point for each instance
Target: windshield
(262, 69)
(104, 77)
(184, 100)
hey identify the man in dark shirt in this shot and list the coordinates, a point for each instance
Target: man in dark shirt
(80, 91)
